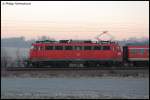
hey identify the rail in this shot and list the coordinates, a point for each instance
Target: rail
(63, 68)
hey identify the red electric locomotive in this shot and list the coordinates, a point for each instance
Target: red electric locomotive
(87, 53)
(65, 52)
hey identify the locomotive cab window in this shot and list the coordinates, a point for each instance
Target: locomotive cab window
(68, 48)
(106, 47)
(58, 48)
(34, 47)
(49, 47)
(41, 48)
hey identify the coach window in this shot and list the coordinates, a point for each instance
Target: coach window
(68, 48)
(97, 47)
(133, 51)
(58, 48)
(138, 50)
(106, 47)
(87, 47)
(49, 48)
(142, 51)
(78, 47)
(147, 50)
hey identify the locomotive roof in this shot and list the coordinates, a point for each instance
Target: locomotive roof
(74, 42)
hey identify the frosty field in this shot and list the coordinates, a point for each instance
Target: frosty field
(84, 87)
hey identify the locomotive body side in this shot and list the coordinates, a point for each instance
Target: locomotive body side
(76, 52)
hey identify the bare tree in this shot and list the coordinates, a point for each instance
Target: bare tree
(18, 58)
(4, 58)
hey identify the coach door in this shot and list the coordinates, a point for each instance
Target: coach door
(125, 53)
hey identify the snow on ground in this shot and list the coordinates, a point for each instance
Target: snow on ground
(83, 87)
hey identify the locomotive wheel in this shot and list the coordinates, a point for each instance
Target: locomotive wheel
(90, 64)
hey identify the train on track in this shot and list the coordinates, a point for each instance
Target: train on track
(86, 53)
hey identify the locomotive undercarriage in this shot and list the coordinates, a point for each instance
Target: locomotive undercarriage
(82, 63)
(86, 63)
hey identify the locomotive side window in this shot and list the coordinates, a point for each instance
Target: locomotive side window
(87, 47)
(58, 48)
(97, 47)
(49, 48)
(78, 47)
(106, 47)
(68, 48)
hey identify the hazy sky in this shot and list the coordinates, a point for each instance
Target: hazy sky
(75, 19)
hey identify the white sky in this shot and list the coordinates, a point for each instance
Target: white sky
(75, 19)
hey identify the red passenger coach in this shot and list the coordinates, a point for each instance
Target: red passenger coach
(65, 52)
(138, 55)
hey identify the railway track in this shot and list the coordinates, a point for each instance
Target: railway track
(92, 68)
(74, 72)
